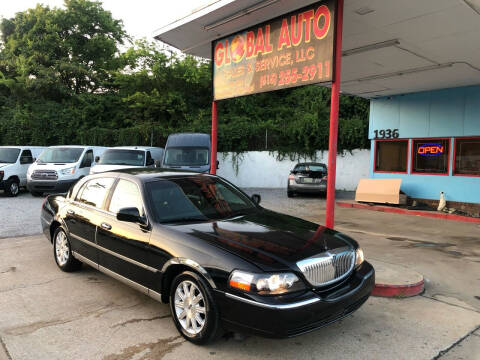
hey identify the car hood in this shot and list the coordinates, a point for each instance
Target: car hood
(109, 167)
(3, 165)
(270, 240)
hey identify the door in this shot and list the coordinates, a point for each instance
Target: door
(26, 159)
(83, 215)
(86, 163)
(124, 245)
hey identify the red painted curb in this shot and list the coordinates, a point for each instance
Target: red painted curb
(384, 290)
(395, 210)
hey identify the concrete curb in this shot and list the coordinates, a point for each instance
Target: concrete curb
(395, 210)
(394, 280)
(385, 290)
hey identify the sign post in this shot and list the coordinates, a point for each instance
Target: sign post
(299, 48)
(213, 156)
(334, 109)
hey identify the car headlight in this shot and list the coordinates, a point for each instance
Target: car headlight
(68, 171)
(265, 284)
(359, 257)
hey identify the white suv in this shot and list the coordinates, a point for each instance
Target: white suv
(14, 163)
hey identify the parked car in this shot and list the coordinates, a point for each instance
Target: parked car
(127, 157)
(59, 167)
(307, 178)
(14, 163)
(214, 254)
(188, 151)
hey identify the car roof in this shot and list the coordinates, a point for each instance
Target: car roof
(135, 148)
(22, 147)
(147, 174)
(311, 163)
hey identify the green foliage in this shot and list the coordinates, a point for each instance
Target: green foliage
(63, 80)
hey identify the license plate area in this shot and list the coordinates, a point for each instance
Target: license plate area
(307, 180)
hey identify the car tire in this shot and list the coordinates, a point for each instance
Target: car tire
(196, 315)
(12, 187)
(62, 252)
(36, 193)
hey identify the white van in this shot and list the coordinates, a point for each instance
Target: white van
(127, 157)
(58, 167)
(14, 163)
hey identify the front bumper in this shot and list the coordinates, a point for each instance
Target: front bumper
(49, 186)
(305, 313)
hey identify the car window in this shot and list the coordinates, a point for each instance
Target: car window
(93, 192)
(87, 159)
(300, 168)
(26, 157)
(196, 198)
(317, 168)
(126, 195)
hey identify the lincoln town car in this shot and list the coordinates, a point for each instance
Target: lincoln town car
(200, 244)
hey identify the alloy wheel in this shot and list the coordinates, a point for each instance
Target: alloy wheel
(14, 188)
(190, 307)
(62, 249)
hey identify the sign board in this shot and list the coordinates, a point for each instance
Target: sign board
(431, 150)
(292, 50)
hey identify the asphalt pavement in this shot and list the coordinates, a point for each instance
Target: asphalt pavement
(48, 314)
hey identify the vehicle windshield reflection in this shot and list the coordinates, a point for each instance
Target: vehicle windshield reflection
(196, 199)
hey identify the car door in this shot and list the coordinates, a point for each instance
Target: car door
(83, 215)
(26, 159)
(124, 245)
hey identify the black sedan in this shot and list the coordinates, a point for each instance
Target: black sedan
(201, 244)
(308, 178)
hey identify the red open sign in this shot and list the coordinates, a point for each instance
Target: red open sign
(431, 149)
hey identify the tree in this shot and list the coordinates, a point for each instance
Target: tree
(54, 53)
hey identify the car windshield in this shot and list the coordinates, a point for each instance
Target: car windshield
(196, 198)
(317, 168)
(123, 157)
(60, 155)
(9, 155)
(186, 156)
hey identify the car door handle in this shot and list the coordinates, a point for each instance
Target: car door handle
(70, 212)
(106, 226)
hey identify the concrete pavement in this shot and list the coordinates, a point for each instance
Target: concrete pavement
(48, 314)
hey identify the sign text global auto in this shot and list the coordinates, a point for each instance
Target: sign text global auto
(292, 50)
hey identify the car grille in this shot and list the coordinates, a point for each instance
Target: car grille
(328, 267)
(44, 175)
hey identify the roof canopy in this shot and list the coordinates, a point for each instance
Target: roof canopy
(389, 47)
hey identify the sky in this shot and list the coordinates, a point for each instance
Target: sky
(140, 17)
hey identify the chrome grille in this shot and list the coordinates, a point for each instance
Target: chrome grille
(45, 175)
(328, 267)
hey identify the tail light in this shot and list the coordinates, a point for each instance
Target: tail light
(324, 178)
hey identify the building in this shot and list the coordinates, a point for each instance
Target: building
(418, 62)
(431, 141)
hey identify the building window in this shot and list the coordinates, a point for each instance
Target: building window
(430, 156)
(391, 156)
(467, 157)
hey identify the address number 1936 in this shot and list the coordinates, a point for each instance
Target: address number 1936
(386, 134)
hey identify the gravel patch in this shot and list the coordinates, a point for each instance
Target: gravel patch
(20, 215)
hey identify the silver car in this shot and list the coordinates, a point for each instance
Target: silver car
(307, 178)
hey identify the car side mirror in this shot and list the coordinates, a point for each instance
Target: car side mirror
(218, 164)
(130, 214)
(256, 199)
(158, 164)
(97, 159)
